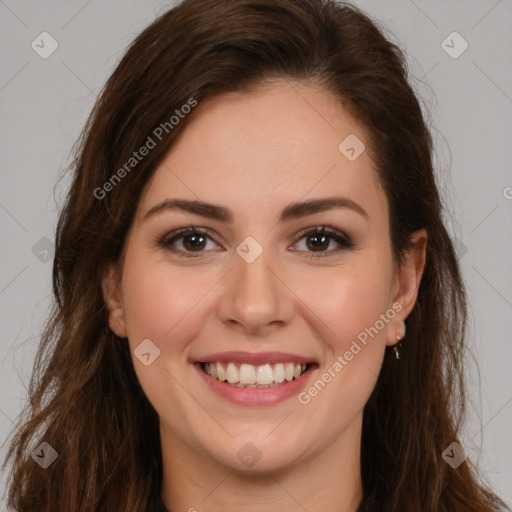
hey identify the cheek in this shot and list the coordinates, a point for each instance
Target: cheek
(349, 300)
(159, 302)
(163, 304)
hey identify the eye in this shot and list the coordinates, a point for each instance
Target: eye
(319, 239)
(192, 240)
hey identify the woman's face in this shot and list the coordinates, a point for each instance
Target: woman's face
(260, 293)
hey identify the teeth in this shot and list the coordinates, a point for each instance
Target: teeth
(265, 375)
(289, 370)
(279, 372)
(248, 375)
(232, 373)
(221, 373)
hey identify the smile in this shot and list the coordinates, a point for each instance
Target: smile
(251, 376)
(255, 379)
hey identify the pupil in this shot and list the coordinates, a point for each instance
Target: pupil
(322, 240)
(194, 245)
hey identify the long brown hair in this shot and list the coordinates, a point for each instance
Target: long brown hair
(85, 399)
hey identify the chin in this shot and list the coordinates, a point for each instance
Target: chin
(260, 455)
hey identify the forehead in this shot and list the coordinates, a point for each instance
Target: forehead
(277, 144)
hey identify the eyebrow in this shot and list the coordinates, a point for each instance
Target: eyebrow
(221, 213)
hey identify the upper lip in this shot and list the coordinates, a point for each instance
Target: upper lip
(254, 358)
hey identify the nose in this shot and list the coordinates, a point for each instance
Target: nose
(255, 299)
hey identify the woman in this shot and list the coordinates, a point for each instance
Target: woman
(252, 228)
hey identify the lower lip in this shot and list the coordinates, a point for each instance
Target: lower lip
(256, 396)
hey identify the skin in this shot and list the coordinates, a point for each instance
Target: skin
(254, 154)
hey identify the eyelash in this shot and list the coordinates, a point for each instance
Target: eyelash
(333, 234)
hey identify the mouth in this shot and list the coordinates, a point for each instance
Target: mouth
(253, 379)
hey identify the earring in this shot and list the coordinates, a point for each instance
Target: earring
(395, 349)
(399, 344)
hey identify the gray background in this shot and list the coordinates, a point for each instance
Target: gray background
(44, 104)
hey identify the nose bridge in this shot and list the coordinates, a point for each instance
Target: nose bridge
(253, 296)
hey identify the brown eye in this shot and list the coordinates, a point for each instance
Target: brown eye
(318, 240)
(195, 242)
(185, 242)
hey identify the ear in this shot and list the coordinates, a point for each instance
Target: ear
(407, 282)
(112, 295)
